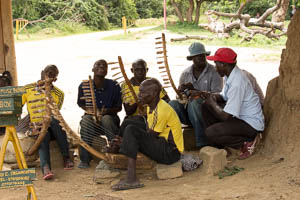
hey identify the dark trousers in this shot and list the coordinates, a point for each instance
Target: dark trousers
(54, 131)
(231, 133)
(136, 138)
(108, 126)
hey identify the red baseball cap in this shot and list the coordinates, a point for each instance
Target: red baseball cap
(225, 55)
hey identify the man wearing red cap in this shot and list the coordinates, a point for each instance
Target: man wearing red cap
(238, 123)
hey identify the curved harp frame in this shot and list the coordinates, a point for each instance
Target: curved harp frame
(127, 81)
(163, 64)
(43, 84)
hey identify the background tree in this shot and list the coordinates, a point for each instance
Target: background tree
(280, 14)
(149, 8)
(116, 9)
(88, 12)
(187, 8)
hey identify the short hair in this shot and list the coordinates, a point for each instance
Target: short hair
(153, 82)
(50, 68)
(139, 62)
(100, 62)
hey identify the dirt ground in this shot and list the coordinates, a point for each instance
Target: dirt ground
(264, 177)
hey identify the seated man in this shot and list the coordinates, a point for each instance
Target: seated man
(237, 124)
(139, 70)
(161, 140)
(108, 101)
(200, 76)
(54, 129)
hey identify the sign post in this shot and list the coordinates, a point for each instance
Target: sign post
(10, 109)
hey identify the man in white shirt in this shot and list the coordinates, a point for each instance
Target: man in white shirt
(239, 122)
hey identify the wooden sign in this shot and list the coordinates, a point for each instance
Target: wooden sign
(11, 91)
(18, 177)
(12, 105)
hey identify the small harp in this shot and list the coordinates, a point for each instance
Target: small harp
(90, 99)
(163, 66)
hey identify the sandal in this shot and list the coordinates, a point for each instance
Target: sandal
(47, 174)
(68, 164)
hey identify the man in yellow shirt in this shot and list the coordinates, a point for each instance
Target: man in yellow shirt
(54, 129)
(161, 140)
(139, 70)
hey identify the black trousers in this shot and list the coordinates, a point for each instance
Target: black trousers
(231, 133)
(136, 138)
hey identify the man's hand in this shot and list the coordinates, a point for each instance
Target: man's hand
(114, 145)
(211, 100)
(199, 94)
(188, 86)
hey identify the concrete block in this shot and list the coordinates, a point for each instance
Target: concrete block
(169, 171)
(213, 159)
(119, 161)
(189, 139)
(104, 173)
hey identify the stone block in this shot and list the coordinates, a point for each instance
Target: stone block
(104, 173)
(25, 142)
(119, 161)
(189, 139)
(169, 171)
(213, 159)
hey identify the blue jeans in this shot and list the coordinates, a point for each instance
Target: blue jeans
(55, 131)
(89, 130)
(192, 115)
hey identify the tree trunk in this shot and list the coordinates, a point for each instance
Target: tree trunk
(279, 15)
(189, 13)
(177, 10)
(197, 16)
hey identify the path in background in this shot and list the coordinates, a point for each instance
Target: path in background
(75, 56)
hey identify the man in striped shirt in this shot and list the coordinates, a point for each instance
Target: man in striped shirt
(31, 94)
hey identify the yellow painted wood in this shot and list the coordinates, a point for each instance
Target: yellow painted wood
(11, 136)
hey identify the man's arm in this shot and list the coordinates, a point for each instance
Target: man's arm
(80, 102)
(212, 101)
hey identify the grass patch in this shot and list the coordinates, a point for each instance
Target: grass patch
(50, 30)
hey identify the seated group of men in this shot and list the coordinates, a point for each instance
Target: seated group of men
(152, 126)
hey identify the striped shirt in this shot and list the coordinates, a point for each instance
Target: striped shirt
(31, 94)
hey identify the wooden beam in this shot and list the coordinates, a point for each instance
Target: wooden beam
(7, 43)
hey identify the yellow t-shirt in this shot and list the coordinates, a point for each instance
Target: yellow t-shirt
(31, 94)
(128, 98)
(165, 120)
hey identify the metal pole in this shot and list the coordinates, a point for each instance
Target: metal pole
(165, 14)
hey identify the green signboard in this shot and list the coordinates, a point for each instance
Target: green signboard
(18, 177)
(12, 91)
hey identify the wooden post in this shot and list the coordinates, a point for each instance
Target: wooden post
(7, 44)
(124, 24)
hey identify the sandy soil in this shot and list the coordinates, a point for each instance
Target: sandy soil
(264, 177)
